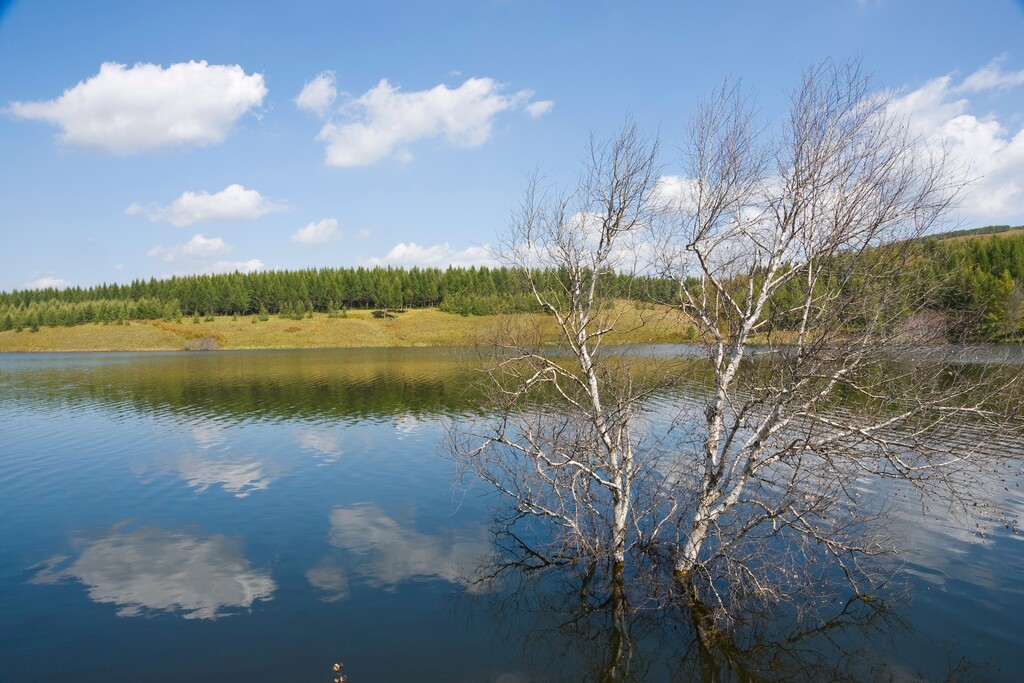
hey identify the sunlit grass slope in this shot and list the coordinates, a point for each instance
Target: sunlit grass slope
(419, 327)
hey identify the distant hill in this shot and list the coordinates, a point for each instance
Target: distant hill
(984, 232)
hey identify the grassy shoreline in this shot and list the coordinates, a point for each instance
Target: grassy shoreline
(360, 329)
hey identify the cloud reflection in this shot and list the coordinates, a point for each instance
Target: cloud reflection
(207, 433)
(407, 425)
(240, 477)
(330, 578)
(326, 445)
(210, 463)
(389, 553)
(154, 569)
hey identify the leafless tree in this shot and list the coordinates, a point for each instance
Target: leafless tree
(800, 245)
(573, 459)
(792, 249)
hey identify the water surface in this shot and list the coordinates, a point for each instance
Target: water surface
(259, 516)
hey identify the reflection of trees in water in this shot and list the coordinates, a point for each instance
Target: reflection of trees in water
(588, 621)
(258, 386)
(233, 386)
(817, 522)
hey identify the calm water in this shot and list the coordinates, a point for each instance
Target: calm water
(259, 516)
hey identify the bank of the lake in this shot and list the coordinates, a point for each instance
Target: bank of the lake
(358, 329)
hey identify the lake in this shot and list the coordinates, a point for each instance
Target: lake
(260, 516)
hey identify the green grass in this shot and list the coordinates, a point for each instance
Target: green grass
(418, 327)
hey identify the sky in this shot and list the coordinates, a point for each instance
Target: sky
(144, 139)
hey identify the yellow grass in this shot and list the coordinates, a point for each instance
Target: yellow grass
(421, 327)
(986, 235)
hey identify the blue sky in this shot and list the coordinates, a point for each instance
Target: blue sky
(149, 139)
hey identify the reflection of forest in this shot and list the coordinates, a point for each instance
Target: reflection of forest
(267, 386)
(314, 385)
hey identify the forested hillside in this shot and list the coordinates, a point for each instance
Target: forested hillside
(973, 278)
(467, 291)
(978, 278)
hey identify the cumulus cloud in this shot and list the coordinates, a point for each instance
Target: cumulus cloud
(126, 110)
(674, 192)
(318, 94)
(233, 203)
(196, 254)
(320, 232)
(47, 282)
(992, 152)
(377, 124)
(196, 248)
(438, 255)
(249, 266)
(992, 77)
(539, 108)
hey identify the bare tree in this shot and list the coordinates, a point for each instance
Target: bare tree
(801, 245)
(792, 251)
(572, 460)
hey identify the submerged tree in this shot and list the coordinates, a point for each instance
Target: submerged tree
(574, 465)
(800, 244)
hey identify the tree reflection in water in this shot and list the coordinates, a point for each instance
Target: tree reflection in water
(591, 621)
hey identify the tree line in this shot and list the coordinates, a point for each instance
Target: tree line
(975, 281)
(465, 291)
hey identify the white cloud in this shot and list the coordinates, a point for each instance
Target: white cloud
(674, 192)
(233, 203)
(384, 118)
(363, 234)
(320, 232)
(992, 77)
(124, 110)
(318, 94)
(250, 266)
(196, 248)
(539, 108)
(438, 255)
(47, 282)
(992, 153)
